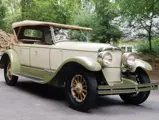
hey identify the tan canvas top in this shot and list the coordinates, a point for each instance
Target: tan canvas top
(33, 23)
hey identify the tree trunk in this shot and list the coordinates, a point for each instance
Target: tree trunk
(150, 49)
(149, 39)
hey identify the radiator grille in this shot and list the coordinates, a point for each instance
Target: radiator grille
(116, 61)
(113, 72)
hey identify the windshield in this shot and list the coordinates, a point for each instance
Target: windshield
(70, 35)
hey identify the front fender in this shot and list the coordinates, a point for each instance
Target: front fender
(86, 62)
(142, 64)
(14, 59)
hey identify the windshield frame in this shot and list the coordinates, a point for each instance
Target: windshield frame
(87, 35)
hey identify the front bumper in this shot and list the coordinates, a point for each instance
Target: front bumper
(126, 88)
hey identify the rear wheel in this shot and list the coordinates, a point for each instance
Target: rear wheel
(81, 90)
(10, 79)
(140, 97)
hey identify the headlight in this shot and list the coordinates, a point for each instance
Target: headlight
(105, 58)
(131, 60)
(128, 59)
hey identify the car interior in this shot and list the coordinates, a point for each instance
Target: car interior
(34, 35)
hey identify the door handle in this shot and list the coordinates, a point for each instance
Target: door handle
(36, 52)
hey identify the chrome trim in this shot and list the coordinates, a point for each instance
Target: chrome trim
(40, 68)
(42, 46)
(28, 76)
(52, 34)
(50, 71)
(126, 88)
(110, 48)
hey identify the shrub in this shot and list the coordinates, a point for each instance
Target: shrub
(143, 47)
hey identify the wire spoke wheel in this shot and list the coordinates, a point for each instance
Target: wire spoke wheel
(79, 88)
(10, 79)
(138, 97)
(9, 74)
(138, 81)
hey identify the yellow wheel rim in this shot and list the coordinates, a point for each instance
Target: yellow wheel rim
(79, 88)
(9, 74)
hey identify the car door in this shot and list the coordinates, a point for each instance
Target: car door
(24, 54)
(39, 56)
(40, 53)
(23, 51)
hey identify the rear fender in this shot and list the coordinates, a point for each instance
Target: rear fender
(14, 59)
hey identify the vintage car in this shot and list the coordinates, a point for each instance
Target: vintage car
(51, 53)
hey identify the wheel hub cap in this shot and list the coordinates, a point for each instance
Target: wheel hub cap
(79, 88)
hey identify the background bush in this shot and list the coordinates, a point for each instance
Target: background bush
(143, 47)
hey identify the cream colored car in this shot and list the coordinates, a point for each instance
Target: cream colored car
(49, 53)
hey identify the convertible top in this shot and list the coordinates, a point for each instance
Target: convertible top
(41, 23)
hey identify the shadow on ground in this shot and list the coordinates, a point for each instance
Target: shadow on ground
(43, 91)
(103, 104)
(57, 93)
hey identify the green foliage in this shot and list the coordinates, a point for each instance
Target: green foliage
(143, 8)
(141, 14)
(2, 15)
(12, 13)
(105, 31)
(87, 19)
(89, 13)
(143, 47)
(78, 35)
(50, 10)
(99, 18)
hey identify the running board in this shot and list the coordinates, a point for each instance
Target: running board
(28, 76)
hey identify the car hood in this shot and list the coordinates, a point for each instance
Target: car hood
(82, 46)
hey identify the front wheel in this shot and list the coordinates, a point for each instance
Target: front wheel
(10, 79)
(140, 97)
(81, 90)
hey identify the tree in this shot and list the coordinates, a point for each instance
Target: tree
(12, 13)
(106, 12)
(90, 13)
(99, 15)
(51, 10)
(26, 7)
(2, 15)
(141, 15)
